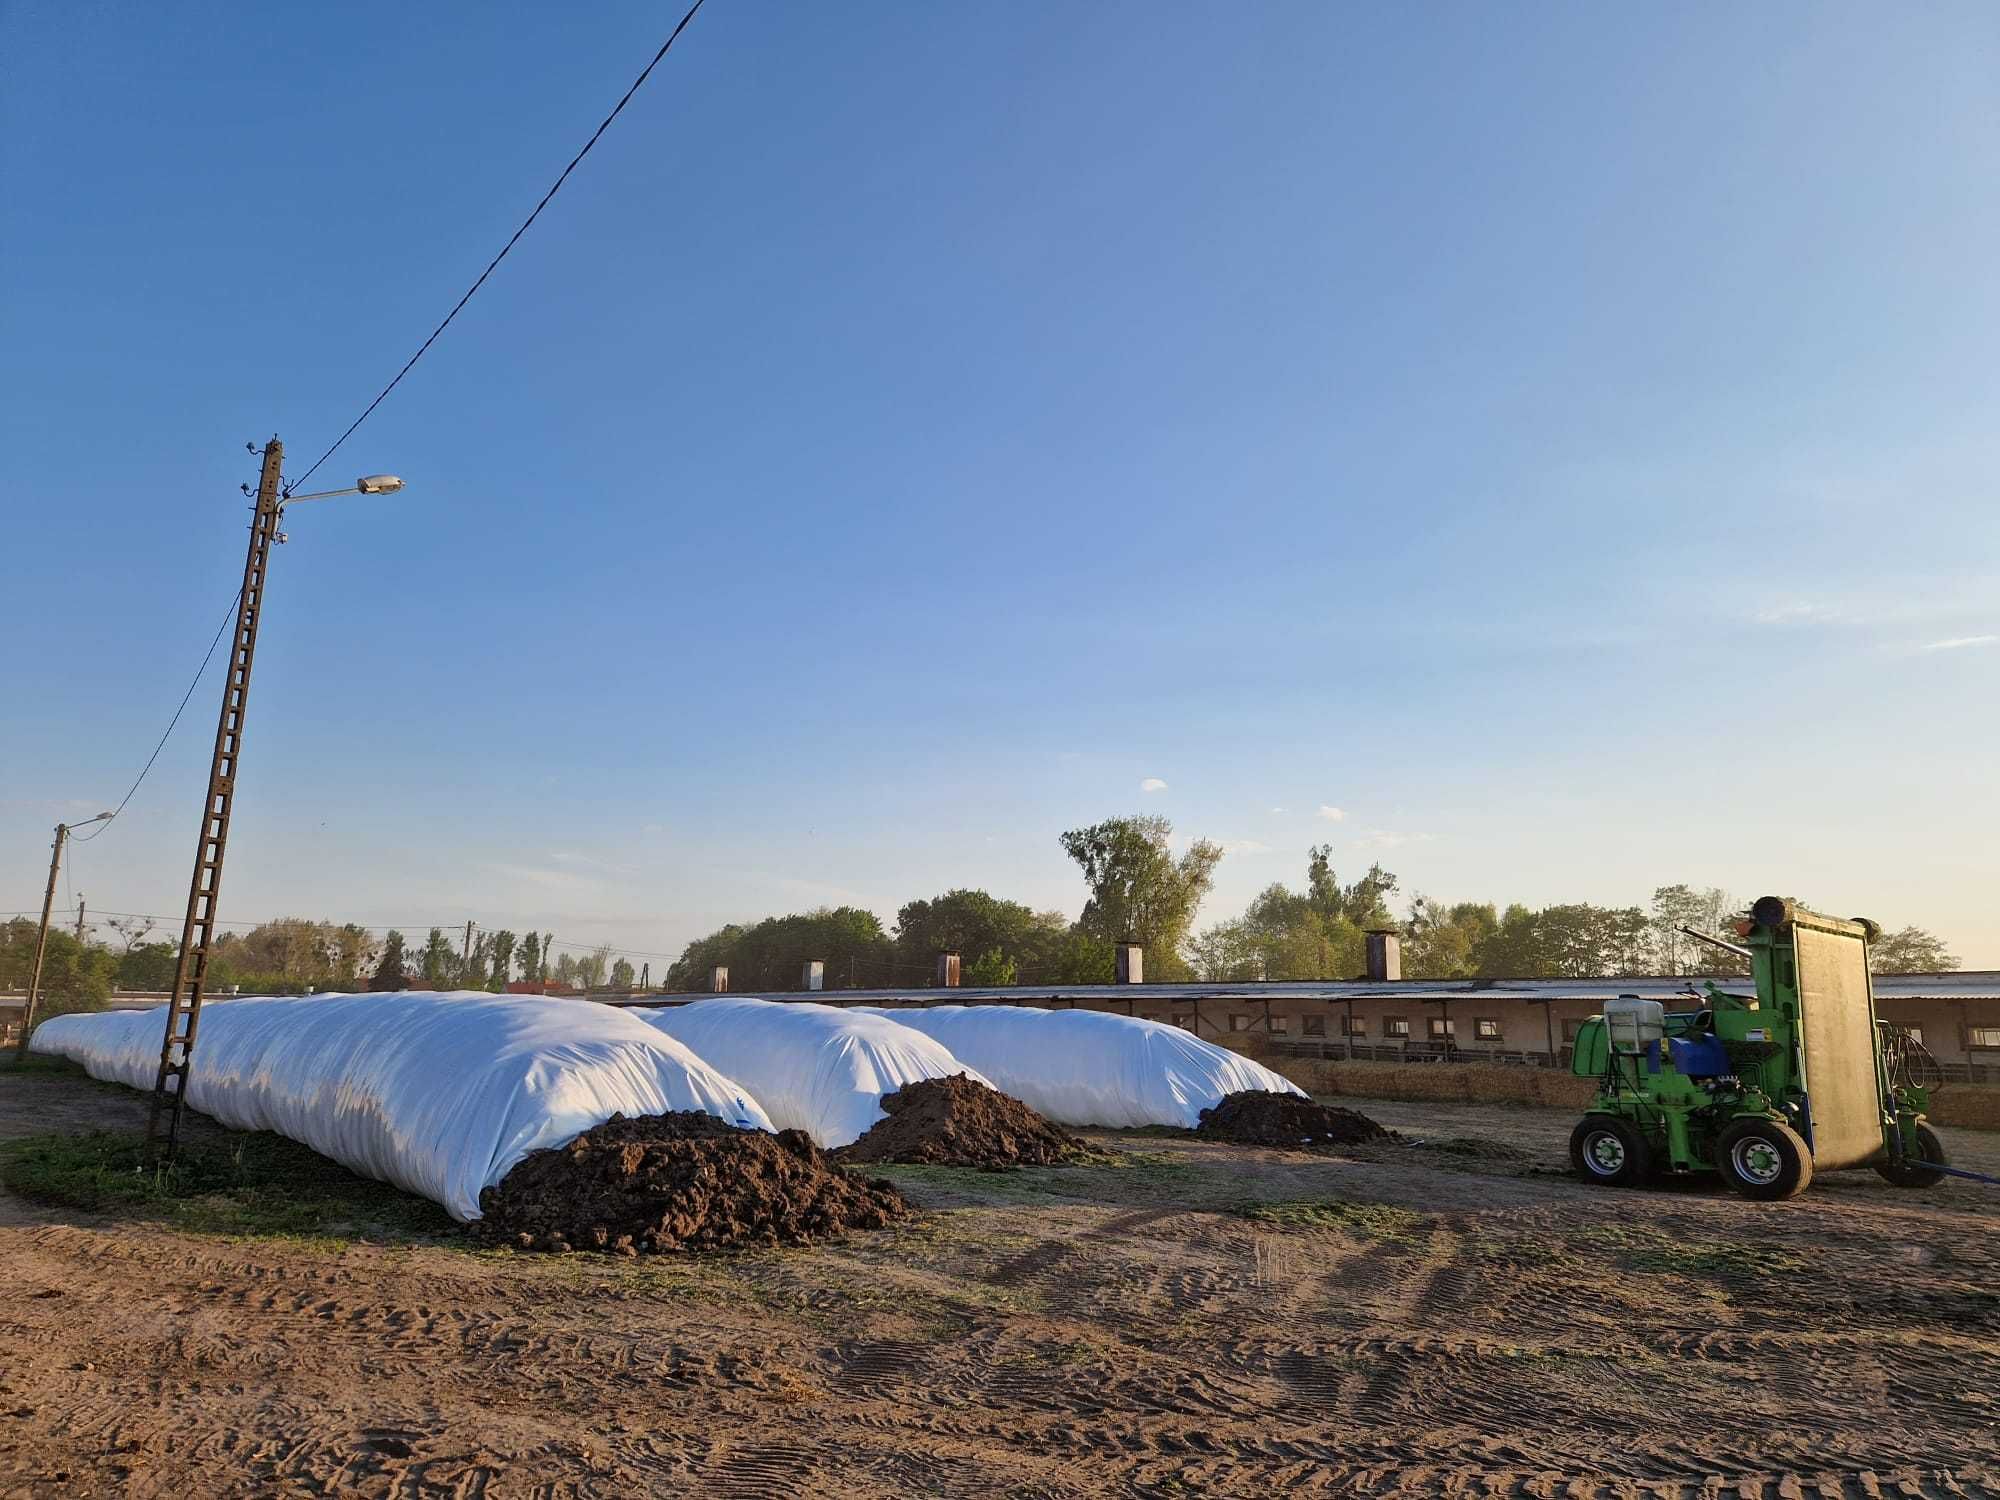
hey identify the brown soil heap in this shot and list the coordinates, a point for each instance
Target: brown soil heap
(681, 1181)
(955, 1122)
(1257, 1118)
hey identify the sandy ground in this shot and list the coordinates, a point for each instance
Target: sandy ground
(1438, 1324)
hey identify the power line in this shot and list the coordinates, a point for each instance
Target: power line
(200, 672)
(615, 110)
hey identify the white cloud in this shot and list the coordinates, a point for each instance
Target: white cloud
(1152, 784)
(1332, 814)
(1277, 810)
(1244, 846)
(1955, 642)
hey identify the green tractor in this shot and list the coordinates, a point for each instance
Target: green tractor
(1767, 1088)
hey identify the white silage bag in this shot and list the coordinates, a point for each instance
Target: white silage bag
(817, 1068)
(442, 1094)
(1086, 1067)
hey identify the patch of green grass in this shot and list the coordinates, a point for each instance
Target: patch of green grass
(254, 1185)
(1145, 1161)
(1654, 1250)
(1378, 1221)
(38, 1063)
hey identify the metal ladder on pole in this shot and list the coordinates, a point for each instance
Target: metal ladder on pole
(204, 889)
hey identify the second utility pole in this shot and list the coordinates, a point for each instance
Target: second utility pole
(42, 941)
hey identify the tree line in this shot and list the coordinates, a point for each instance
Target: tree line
(1138, 889)
(296, 956)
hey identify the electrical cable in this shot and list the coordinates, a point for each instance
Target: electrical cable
(665, 47)
(235, 600)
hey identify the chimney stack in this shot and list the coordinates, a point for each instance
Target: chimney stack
(1131, 963)
(1385, 955)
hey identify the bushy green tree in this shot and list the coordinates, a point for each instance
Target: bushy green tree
(148, 966)
(502, 952)
(771, 955)
(1139, 890)
(990, 969)
(389, 971)
(1911, 951)
(75, 976)
(438, 963)
(1445, 942)
(972, 923)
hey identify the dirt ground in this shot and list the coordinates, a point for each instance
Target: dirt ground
(1199, 1319)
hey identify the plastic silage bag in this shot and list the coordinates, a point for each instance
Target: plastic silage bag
(1085, 1067)
(817, 1068)
(442, 1094)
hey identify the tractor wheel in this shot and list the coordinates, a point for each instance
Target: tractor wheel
(1763, 1159)
(1608, 1150)
(1912, 1174)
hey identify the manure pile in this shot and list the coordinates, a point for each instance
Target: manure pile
(1252, 1118)
(681, 1181)
(955, 1122)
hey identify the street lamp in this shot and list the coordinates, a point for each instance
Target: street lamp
(367, 484)
(191, 972)
(63, 831)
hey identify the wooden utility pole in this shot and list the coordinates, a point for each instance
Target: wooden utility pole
(465, 958)
(205, 887)
(79, 920)
(42, 941)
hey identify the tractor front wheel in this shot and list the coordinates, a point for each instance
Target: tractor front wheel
(1763, 1159)
(1913, 1173)
(1608, 1150)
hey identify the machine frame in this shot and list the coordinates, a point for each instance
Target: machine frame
(1764, 1087)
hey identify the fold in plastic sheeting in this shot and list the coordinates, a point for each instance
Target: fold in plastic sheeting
(1085, 1067)
(817, 1068)
(442, 1094)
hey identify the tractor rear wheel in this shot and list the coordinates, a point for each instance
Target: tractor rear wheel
(1763, 1159)
(1608, 1150)
(1914, 1174)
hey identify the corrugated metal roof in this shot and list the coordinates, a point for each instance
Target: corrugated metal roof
(1978, 984)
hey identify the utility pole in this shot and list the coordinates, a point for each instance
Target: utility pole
(205, 887)
(465, 958)
(79, 920)
(63, 831)
(41, 942)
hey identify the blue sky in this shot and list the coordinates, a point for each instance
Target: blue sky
(1557, 437)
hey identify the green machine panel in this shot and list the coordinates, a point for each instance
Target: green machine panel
(1837, 1026)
